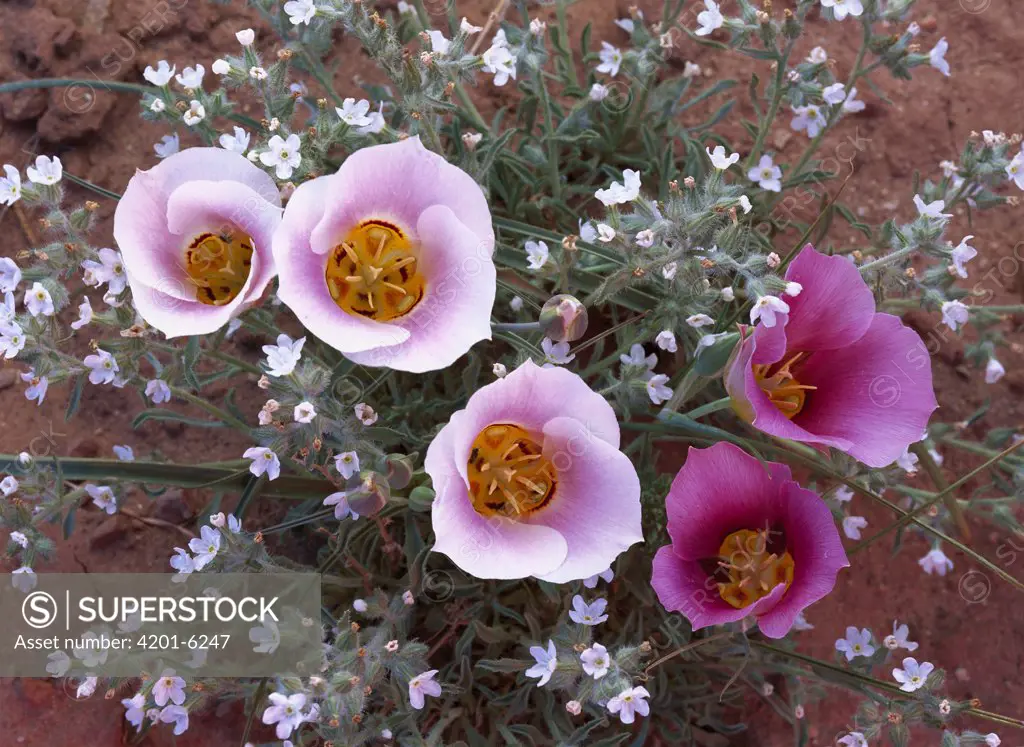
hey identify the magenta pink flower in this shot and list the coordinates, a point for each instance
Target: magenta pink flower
(195, 232)
(746, 541)
(389, 259)
(530, 480)
(835, 372)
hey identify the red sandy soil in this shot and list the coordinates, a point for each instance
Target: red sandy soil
(99, 136)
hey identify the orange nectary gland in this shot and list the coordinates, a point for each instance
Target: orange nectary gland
(508, 473)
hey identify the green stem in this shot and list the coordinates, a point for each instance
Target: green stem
(718, 405)
(773, 109)
(945, 493)
(563, 33)
(812, 148)
(516, 326)
(869, 681)
(474, 114)
(858, 488)
(94, 187)
(554, 174)
(176, 475)
(888, 259)
(257, 698)
(320, 73)
(221, 415)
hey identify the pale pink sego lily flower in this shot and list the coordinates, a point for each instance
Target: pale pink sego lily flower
(195, 236)
(747, 541)
(514, 470)
(389, 260)
(832, 371)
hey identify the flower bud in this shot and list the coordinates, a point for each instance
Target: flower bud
(563, 318)
(399, 469)
(371, 495)
(421, 498)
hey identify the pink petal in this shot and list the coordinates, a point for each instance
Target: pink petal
(754, 406)
(208, 205)
(399, 181)
(596, 506)
(455, 312)
(818, 555)
(719, 490)
(493, 547)
(302, 285)
(151, 251)
(163, 307)
(530, 396)
(876, 394)
(683, 586)
(835, 307)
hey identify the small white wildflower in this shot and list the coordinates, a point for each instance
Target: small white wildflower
(365, 414)
(194, 114)
(954, 313)
(237, 143)
(709, 19)
(766, 308)
(856, 643)
(935, 562)
(645, 239)
(994, 371)
(304, 412)
(191, 77)
(168, 146)
(913, 675)
(666, 340)
(937, 57)
(657, 389)
(718, 158)
(47, 171)
(767, 175)
(161, 76)
(537, 253)
(611, 59)
(283, 155)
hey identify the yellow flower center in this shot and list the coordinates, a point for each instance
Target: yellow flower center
(218, 264)
(508, 473)
(781, 385)
(752, 571)
(374, 272)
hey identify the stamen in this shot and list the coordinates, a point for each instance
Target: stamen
(780, 384)
(506, 457)
(372, 272)
(751, 570)
(218, 265)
